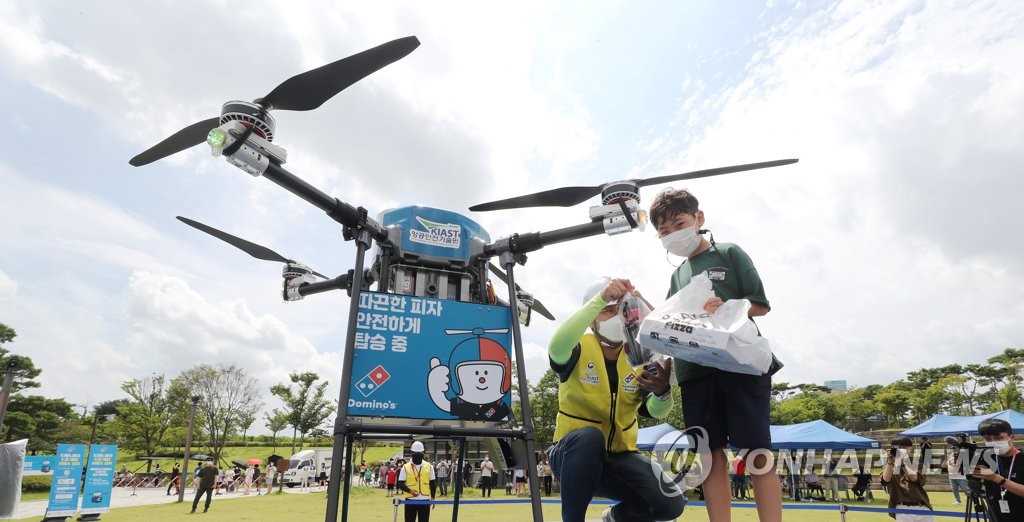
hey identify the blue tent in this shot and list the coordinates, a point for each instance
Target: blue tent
(663, 437)
(940, 425)
(817, 435)
(807, 435)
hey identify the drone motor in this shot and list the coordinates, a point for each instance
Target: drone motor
(252, 115)
(613, 193)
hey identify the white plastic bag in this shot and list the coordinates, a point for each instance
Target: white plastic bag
(727, 340)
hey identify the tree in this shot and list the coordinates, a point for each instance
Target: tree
(276, 421)
(44, 422)
(245, 420)
(306, 407)
(23, 368)
(893, 401)
(544, 408)
(225, 393)
(147, 415)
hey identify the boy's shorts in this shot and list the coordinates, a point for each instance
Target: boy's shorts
(734, 408)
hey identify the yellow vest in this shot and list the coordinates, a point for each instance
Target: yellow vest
(419, 482)
(586, 399)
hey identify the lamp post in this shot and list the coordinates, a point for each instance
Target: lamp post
(188, 448)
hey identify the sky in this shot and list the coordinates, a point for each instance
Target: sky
(894, 244)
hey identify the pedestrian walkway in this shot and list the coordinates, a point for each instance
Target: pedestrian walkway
(126, 497)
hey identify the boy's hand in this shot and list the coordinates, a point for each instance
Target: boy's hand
(711, 305)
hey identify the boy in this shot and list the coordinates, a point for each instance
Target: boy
(732, 407)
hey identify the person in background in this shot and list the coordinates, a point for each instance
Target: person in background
(486, 476)
(1004, 484)
(414, 478)
(957, 479)
(392, 477)
(441, 470)
(175, 479)
(906, 483)
(271, 475)
(207, 476)
(862, 487)
(545, 475)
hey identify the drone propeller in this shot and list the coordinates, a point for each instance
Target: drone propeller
(302, 92)
(537, 305)
(254, 250)
(569, 196)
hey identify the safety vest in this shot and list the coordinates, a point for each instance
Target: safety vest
(587, 399)
(421, 481)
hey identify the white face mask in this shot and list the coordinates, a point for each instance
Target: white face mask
(682, 242)
(612, 329)
(1001, 447)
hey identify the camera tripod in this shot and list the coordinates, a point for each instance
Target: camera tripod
(978, 505)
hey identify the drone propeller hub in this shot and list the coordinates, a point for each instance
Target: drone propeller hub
(252, 115)
(613, 193)
(296, 270)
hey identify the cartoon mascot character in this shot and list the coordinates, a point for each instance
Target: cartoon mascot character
(483, 376)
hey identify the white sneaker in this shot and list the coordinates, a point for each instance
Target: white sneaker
(606, 516)
(956, 502)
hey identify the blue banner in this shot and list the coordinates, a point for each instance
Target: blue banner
(67, 477)
(99, 479)
(425, 358)
(39, 464)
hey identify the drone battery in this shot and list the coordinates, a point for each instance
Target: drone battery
(430, 282)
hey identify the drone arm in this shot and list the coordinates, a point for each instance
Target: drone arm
(523, 243)
(338, 210)
(342, 282)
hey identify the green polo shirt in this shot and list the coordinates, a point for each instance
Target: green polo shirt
(732, 276)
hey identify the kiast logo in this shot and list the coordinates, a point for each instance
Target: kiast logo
(445, 235)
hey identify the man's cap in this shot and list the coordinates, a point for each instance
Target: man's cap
(595, 287)
(417, 447)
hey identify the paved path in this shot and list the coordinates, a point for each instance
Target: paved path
(125, 497)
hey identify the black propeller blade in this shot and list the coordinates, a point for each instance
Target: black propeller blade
(188, 137)
(254, 250)
(309, 90)
(537, 305)
(569, 196)
(302, 92)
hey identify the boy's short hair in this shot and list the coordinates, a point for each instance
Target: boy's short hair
(671, 202)
(994, 427)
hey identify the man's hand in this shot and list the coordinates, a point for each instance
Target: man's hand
(616, 289)
(985, 473)
(656, 383)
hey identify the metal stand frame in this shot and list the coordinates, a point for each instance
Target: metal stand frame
(364, 231)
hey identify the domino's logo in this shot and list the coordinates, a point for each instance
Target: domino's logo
(373, 380)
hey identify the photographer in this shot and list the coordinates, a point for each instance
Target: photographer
(1004, 485)
(906, 483)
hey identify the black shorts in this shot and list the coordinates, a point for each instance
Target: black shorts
(734, 408)
(521, 480)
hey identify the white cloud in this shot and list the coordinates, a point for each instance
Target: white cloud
(8, 286)
(892, 239)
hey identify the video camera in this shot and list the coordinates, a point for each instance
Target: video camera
(974, 455)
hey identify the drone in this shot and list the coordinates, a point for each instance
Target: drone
(419, 251)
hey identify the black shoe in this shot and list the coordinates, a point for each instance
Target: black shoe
(193, 511)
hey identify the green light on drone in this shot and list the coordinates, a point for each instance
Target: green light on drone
(216, 138)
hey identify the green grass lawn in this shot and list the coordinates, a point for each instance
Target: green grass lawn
(370, 505)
